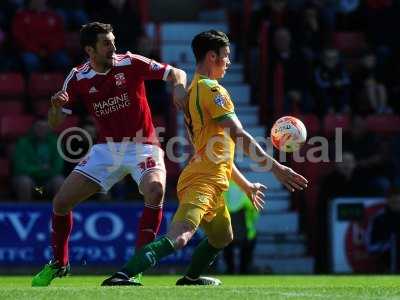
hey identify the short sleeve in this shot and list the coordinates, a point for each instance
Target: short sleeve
(218, 103)
(70, 86)
(149, 69)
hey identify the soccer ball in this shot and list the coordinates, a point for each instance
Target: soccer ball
(288, 134)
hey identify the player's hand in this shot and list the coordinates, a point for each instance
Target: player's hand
(59, 99)
(180, 96)
(256, 195)
(289, 178)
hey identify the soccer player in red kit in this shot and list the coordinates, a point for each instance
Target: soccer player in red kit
(111, 86)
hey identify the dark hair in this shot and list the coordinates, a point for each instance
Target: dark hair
(211, 40)
(89, 32)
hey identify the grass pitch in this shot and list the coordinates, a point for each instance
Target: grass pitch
(234, 287)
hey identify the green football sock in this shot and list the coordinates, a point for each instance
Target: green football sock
(202, 258)
(148, 256)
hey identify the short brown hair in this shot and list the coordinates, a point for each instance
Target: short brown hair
(89, 32)
(205, 41)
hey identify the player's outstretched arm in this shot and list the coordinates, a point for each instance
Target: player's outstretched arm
(55, 115)
(179, 79)
(255, 191)
(289, 178)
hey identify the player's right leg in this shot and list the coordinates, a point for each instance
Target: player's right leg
(75, 189)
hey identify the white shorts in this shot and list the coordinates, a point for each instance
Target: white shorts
(106, 164)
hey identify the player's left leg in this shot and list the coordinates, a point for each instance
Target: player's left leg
(147, 168)
(184, 225)
(152, 186)
(219, 235)
(150, 175)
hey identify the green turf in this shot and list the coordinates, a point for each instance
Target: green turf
(234, 287)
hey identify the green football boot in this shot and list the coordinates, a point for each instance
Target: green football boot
(49, 272)
(137, 279)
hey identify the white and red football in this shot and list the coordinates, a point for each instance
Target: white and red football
(288, 134)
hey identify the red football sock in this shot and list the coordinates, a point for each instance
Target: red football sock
(61, 229)
(149, 225)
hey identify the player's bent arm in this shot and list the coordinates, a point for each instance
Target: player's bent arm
(250, 145)
(55, 114)
(290, 179)
(179, 79)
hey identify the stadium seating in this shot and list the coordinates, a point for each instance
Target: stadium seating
(240, 93)
(312, 124)
(12, 85)
(183, 32)
(11, 108)
(333, 121)
(5, 173)
(279, 92)
(41, 106)
(383, 124)
(4, 168)
(72, 44)
(175, 36)
(349, 42)
(42, 85)
(12, 127)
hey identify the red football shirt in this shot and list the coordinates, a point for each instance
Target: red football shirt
(117, 99)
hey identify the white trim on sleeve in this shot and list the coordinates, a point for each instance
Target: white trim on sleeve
(168, 69)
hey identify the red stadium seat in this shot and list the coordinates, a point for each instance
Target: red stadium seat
(72, 43)
(14, 126)
(332, 121)
(5, 175)
(12, 85)
(11, 108)
(44, 84)
(315, 171)
(312, 124)
(349, 42)
(383, 124)
(70, 121)
(278, 95)
(41, 107)
(4, 168)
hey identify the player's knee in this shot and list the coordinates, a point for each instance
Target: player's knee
(61, 205)
(180, 242)
(228, 238)
(180, 233)
(154, 193)
(222, 241)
